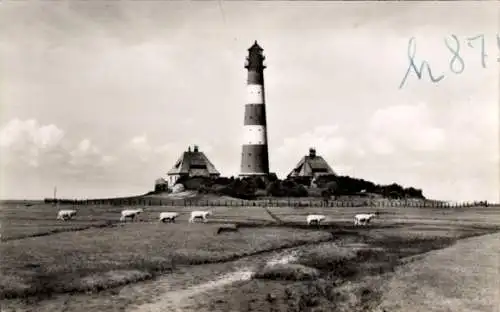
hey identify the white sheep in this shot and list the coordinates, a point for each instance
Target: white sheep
(315, 218)
(363, 218)
(199, 214)
(65, 214)
(168, 216)
(130, 213)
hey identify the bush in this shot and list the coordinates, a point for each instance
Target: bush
(305, 181)
(195, 183)
(288, 271)
(286, 188)
(323, 186)
(223, 181)
(322, 180)
(177, 188)
(272, 177)
(238, 188)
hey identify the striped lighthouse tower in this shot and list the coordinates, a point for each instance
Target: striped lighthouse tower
(254, 155)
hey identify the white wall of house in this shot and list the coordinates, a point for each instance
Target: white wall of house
(172, 179)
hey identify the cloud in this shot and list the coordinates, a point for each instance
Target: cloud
(408, 127)
(45, 153)
(452, 155)
(140, 147)
(449, 158)
(41, 155)
(27, 141)
(340, 152)
(86, 159)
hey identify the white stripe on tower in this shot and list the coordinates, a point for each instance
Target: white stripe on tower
(254, 135)
(255, 94)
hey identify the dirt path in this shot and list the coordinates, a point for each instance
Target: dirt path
(180, 300)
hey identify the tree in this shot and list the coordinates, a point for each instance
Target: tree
(272, 177)
(326, 195)
(332, 187)
(274, 189)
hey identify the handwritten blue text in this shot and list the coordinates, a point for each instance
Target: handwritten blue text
(457, 62)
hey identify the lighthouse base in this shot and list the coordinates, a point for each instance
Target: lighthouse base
(265, 177)
(253, 174)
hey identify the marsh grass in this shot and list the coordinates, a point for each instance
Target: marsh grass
(98, 259)
(50, 229)
(287, 271)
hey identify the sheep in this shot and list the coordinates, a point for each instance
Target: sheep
(168, 216)
(65, 214)
(363, 218)
(130, 213)
(199, 214)
(315, 218)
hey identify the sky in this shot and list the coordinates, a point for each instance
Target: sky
(101, 98)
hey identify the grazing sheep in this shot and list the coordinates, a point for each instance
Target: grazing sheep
(363, 218)
(65, 214)
(168, 216)
(130, 213)
(315, 219)
(227, 228)
(199, 214)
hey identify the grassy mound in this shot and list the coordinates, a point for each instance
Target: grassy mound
(287, 271)
(332, 259)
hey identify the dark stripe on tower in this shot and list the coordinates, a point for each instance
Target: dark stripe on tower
(255, 77)
(254, 159)
(255, 115)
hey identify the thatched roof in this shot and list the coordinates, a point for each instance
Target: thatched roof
(193, 163)
(311, 165)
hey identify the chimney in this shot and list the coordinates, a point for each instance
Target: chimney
(196, 148)
(312, 152)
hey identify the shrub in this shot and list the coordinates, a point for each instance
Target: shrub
(323, 186)
(340, 261)
(195, 183)
(240, 188)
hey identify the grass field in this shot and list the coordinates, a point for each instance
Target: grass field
(465, 276)
(102, 257)
(42, 257)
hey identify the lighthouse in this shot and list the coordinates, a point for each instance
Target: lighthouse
(254, 154)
